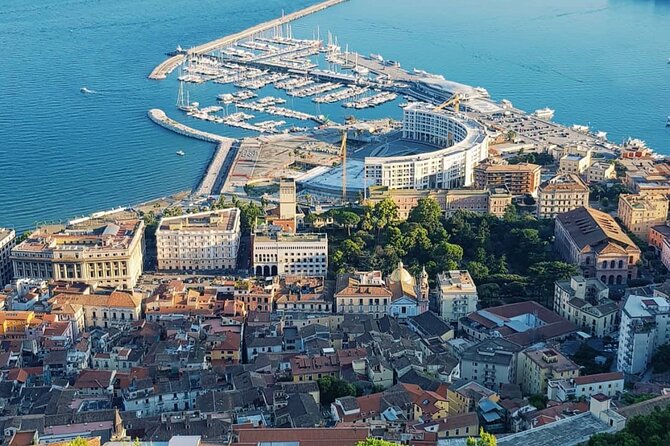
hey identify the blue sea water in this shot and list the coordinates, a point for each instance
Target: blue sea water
(64, 153)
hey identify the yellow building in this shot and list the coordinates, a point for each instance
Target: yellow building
(93, 251)
(576, 163)
(536, 366)
(638, 213)
(117, 309)
(560, 194)
(13, 324)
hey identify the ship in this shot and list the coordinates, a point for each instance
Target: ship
(544, 113)
(180, 153)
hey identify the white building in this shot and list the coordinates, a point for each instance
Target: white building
(7, 242)
(293, 254)
(644, 327)
(586, 386)
(456, 295)
(461, 143)
(204, 241)
(586, 303)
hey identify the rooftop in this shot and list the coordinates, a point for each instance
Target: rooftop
(221, 220)
(570, 431)
(456, 280)
(589, 227)
(564, 183)
(503, 168)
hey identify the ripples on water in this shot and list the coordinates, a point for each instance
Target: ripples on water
(64, 153)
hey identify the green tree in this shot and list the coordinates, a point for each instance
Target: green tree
(376, 442)
(332, 388)
(347, 219)
(661, 359)
(384, 213)
(427, 213)
(477, 270)
(249, 213)
(539, 401)
(485, 439)
(545, 274)
(447, 255)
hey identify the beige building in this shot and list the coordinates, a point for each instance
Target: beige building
(560, 194)
(289, 254)
(117, 309)
(7, 242)
(206, 241)
(362, 293)
(485, 201)
(638, 213)
(586, 303)
(456, 295)
(594, 241)
(92, 251)
(520, 179)
(575, 163)
(536, 366)
(600, 171)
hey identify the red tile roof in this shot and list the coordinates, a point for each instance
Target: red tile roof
(598, 378)
(334, 436)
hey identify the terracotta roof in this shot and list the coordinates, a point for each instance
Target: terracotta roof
(458, 421)
(599, 377)
(589, 227)
(117, 299)
(94, 379)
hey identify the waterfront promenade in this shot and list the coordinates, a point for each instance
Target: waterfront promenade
(167, 66)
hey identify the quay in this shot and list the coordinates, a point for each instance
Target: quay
(217, 170)
(167, 66)
(159, 117)
(226, 150)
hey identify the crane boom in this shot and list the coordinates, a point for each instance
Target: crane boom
(454, 101)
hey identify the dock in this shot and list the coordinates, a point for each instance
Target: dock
(217, 170)
(167, 66)
(159, 117)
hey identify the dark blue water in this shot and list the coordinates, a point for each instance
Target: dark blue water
(63, 153)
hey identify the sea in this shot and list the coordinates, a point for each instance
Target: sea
(64, 153)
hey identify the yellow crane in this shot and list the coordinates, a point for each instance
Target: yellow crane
(343, 155)
(454, 101)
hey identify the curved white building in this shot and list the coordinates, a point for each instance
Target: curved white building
(461, 143)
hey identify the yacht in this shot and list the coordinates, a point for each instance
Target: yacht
(544, 113)
(667, 124)
(86, 90)
(180, 153)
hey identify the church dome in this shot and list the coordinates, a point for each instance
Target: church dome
(401, 275)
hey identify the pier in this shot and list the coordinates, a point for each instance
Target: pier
(217, 170)
(226, 150)
(167, 66)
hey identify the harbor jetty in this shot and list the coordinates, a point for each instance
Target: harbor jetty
(217, 170)
(167, 66)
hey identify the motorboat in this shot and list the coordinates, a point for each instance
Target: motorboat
(544, 113)
(180, 153)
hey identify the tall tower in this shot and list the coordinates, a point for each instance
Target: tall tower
(424, 284)
(287, 200)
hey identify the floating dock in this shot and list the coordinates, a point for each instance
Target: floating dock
(167, 66)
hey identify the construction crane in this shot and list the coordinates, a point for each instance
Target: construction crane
(454, 101)
(343, 155)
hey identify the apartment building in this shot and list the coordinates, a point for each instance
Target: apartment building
(116, 309)
(586, 303)
(363, 293)
(7, 242)
(536, 366)
(490, 363)
(584, 387)
(93, 251)
(644, 327)
(594, 241)
(456, 295)
(638, 213)
(520, 179)
(205, 241)
(560, 194)
(281, 253)
(600, 171)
